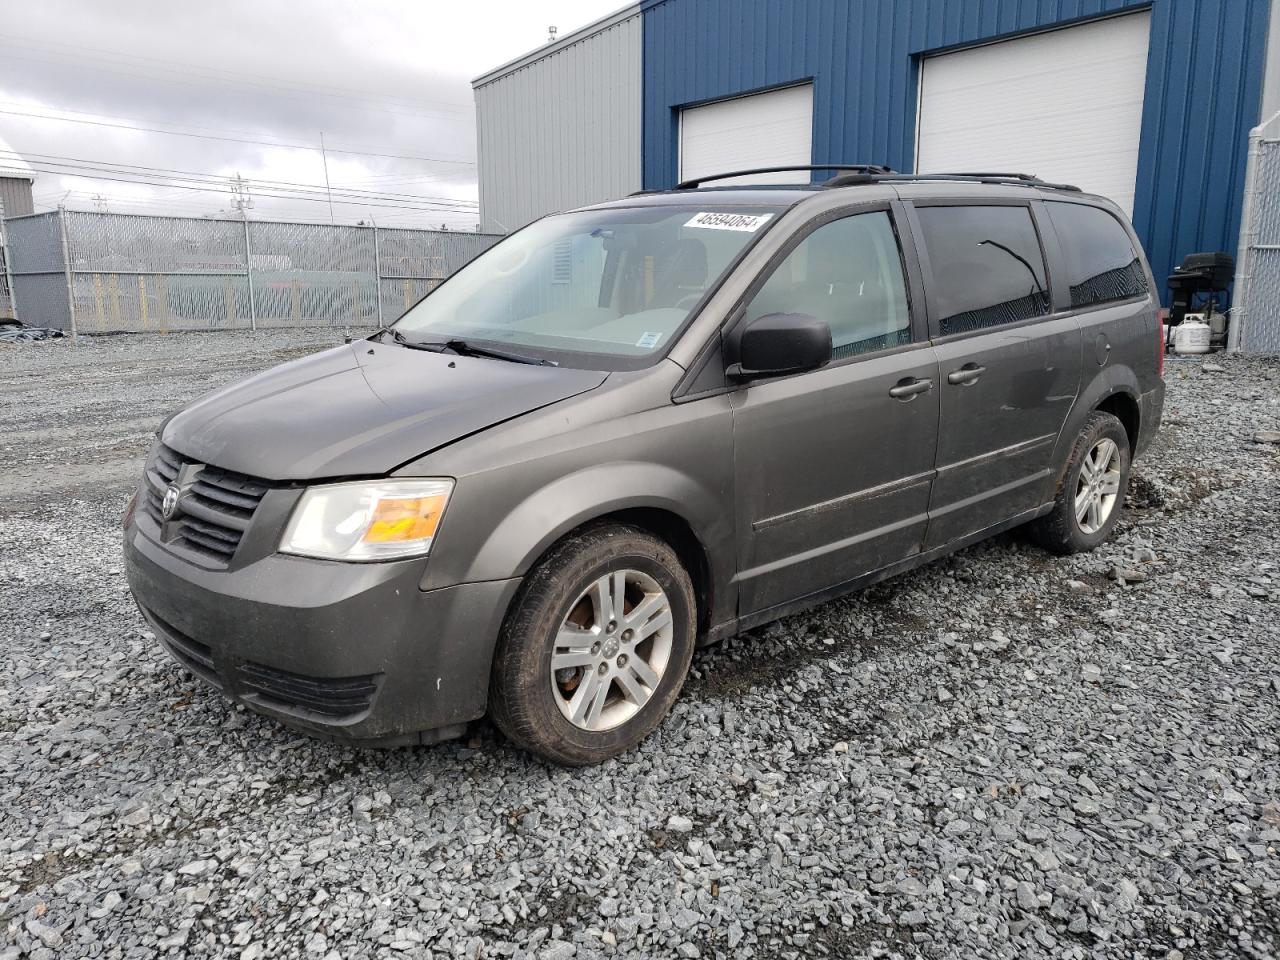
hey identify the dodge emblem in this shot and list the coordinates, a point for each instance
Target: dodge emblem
(169, 505)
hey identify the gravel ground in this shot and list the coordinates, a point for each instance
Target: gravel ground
(1003, 754)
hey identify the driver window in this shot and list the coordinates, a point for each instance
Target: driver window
(848, 273)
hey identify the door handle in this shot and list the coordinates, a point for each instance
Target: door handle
(967, 374)
(909, 387)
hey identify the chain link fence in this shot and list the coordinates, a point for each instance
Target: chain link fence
(1255, 310)
(103, 272)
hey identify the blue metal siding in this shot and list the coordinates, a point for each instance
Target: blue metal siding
(1204, 84)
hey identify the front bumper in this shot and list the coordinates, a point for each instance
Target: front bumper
(351, 651)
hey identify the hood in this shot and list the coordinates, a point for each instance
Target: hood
(361, 409)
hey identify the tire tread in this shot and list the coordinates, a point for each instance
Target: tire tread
(1057, 531)
(516, 715)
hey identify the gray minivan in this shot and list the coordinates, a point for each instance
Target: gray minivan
(640, 426)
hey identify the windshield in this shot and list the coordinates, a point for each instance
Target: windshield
(617, 282)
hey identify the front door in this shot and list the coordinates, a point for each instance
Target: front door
(835, 466)
(1008, 371)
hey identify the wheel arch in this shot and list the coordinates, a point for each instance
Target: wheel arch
(673, 530)
(667, 503)
(1114, 390)
(1124, 407)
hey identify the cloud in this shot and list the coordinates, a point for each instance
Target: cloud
(385, 80)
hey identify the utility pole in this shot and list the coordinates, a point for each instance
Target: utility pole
(241, 199)
(324, 158)
(377, 272)
(242, 203)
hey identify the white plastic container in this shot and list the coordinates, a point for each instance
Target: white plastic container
(1192, 336)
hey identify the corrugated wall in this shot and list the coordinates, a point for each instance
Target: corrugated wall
(15, 197)
(1204, 81)
(562, 130)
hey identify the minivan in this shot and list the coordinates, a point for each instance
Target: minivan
(641, 426)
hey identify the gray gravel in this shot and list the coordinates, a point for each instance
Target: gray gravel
(1002, 755)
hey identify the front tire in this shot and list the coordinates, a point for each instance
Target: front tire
(596, 647)
(1090, 497)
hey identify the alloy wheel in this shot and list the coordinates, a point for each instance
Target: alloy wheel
(1098, 486)
(611, 650)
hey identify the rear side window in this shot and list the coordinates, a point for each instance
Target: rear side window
(988, 268)
(848, 273)
(1102, 264)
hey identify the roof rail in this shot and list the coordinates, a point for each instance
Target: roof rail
(872, 169)
(1025, 179)
(985, 173)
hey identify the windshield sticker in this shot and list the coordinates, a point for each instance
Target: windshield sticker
(748, 223)
(649, 340)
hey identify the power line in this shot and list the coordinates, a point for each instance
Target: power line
(327, 189)
(385, 181)
(211, 205)
(357, 202)
(242, 200)
(219, 184)
(185, 127)
(206, 204)
(199, 176)
(195, 209)
(202, 136)
(387, 177)
(394, 178)
(192, 204)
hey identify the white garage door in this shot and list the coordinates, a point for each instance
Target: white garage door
(1064, 105)
(763, 130)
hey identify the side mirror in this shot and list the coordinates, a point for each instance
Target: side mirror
(779, 343)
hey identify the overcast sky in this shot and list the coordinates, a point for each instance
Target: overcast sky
(386, 81)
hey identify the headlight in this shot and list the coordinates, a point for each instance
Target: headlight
(369, 520)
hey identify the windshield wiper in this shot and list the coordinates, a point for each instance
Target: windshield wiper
(464, 348)
(400, 338)
(472, 350)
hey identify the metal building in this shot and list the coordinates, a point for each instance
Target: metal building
(1147, 101)
(16, 178)
(560, 127)
(15, 195)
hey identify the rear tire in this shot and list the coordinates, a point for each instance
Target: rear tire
(612, 605)
(1090, 495)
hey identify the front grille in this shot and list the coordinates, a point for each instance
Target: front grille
(331, 697)
(216, 509)
(227, 493)
(161, 471)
